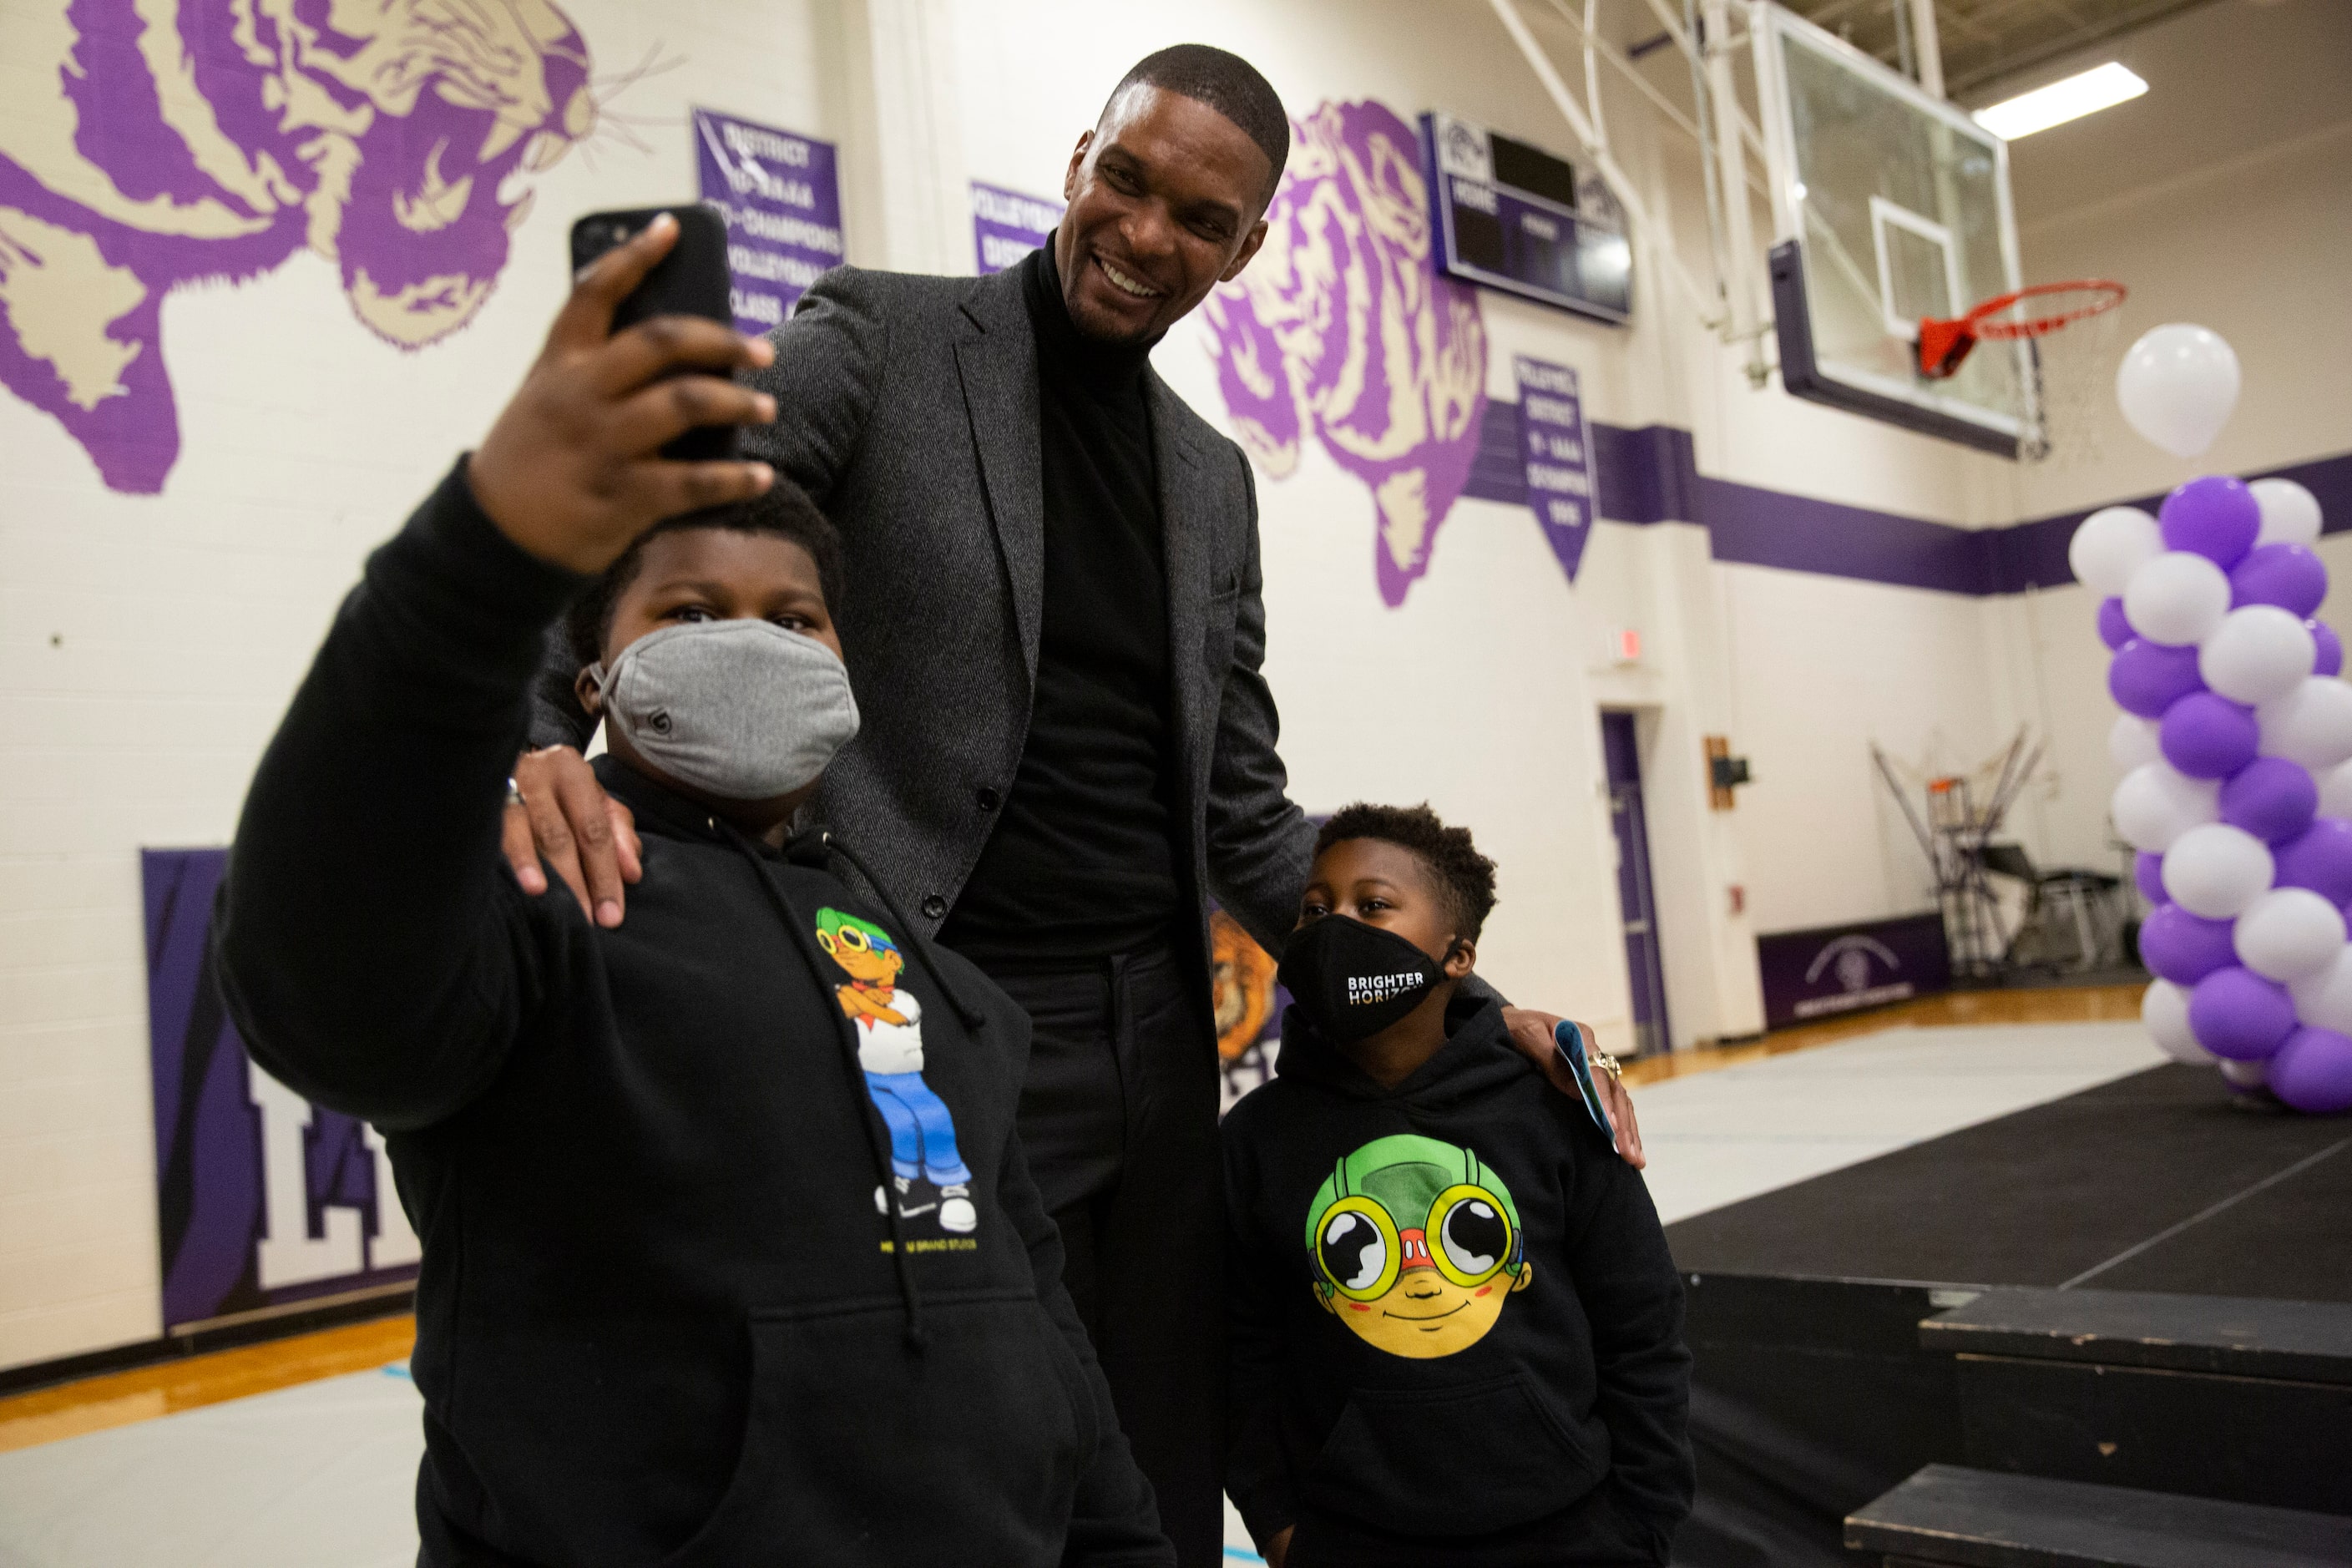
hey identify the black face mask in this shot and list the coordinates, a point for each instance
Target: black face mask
(1353, 980)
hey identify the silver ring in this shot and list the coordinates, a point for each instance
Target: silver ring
(514, 792)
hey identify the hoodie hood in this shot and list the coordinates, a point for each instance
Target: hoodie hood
(1477, 1058)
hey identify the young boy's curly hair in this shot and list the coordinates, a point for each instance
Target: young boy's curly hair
(1465, 878)
(784, 512)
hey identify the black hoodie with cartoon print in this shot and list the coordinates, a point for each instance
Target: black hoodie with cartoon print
(1455, 1331)
(713, 1273)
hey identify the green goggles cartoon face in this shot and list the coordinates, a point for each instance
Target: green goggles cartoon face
(1407, 1202)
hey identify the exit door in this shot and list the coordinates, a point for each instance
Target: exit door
(1636, 895)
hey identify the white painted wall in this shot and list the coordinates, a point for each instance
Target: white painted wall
(148, 644)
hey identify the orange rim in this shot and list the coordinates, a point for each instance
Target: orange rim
(2101, 294)
(1945, 343)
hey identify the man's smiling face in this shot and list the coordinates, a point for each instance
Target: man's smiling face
(1167, 199)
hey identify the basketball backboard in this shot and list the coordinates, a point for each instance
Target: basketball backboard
(1888, 205)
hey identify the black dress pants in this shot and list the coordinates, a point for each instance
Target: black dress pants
(1119, 1119)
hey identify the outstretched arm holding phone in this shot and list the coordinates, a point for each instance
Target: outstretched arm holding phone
(570, 474)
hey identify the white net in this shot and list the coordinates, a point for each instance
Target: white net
(2072, 379)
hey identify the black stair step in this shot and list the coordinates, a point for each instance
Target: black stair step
(1978, 1518)
(2308, 1341)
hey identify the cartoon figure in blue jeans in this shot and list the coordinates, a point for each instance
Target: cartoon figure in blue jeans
(890, 1048)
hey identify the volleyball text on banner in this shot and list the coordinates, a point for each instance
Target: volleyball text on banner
(781, 195)
(1557, 450)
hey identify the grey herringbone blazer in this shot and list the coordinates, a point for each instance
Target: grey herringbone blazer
(907, 407)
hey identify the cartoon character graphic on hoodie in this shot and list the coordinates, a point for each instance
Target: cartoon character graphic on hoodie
(1417, 1246)
(889, 1024)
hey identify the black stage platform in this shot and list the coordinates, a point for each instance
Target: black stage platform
(1816, 1389)
(2156, 1181)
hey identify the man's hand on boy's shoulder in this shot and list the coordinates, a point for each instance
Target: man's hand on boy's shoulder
(1532, 1033)
(564, 817)
(573, 471)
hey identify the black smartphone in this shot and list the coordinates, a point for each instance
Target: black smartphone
(691, 280)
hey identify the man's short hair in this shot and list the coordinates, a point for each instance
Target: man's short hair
(1226, 83)
(1465, 878)
(784, 512)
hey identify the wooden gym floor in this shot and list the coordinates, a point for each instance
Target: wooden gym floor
(119, 1399)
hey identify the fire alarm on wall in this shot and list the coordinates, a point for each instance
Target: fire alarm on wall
(1628, 649)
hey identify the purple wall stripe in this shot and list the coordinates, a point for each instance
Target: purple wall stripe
(1756, 526)
(1651, 475)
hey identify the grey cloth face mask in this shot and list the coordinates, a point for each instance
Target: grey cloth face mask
(740, 709)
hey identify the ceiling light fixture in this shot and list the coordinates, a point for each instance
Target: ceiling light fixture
(2087, 92)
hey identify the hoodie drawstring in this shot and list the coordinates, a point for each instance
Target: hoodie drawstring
(878, 1136)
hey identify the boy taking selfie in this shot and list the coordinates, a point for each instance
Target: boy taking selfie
(731, 1254)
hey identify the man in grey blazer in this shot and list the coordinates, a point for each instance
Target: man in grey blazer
(1053, 628)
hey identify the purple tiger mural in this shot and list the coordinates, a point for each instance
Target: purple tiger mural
(188, 140)
(1343, 329)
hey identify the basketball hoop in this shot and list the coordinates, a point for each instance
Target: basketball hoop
(2064, 386)
(1944, 344)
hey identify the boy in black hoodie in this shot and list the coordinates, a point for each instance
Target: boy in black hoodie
(731, 1255)
(1456, 1333)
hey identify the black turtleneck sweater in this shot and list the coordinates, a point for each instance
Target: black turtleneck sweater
(1081, 863)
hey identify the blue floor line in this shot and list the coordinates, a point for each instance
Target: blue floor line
(1242, 1554)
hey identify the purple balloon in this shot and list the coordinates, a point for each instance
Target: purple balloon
(2270, 798)
(2216, 516)
(2147, 873)
(2182, 948)
(2331, 649)
(2313, 1071)
(2236, 1012)
(2114, 630)
(2321, 860)
(2287, 575)
(2208, 737)
(2148, 678)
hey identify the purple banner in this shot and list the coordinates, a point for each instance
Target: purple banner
(782, 199)
(1007, 225)
(264, 1199)
(1556, 455)
(1819, 974)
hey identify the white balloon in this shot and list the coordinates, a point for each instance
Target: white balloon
(2165, 1010)
(2111, 544)
(2257, 654)
(2245, 1074)
(2216, 872)
(2176, 386)
(2133, 743)
(2288, 934)
(2156, 804)
(2178, 598)
(2324, 997)
(2312, 724)
(2335, 793)
(2290, 512)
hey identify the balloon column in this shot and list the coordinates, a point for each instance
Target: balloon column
(2235, 743)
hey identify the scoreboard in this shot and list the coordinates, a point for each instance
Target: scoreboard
(1512, 217)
